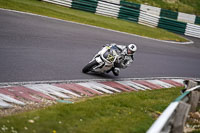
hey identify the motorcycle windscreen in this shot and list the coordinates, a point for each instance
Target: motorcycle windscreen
(110, 55)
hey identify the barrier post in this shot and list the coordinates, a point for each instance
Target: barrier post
(191, 84)
(194, 100)
(180, 117)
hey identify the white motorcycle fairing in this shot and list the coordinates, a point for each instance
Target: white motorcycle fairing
(104, 60)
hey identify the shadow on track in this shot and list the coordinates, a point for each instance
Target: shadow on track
(103, 76)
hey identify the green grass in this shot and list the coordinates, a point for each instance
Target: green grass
(51, 10)
(118, 113)
(187, 6)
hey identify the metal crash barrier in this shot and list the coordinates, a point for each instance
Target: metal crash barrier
(174, 116)
(142, 14)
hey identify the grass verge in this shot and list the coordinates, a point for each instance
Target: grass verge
(124, 112)
(51, 10)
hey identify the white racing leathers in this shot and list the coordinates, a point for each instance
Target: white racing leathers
(110, 58)
(124, 60)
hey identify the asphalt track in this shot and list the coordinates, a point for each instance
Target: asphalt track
(34, 48)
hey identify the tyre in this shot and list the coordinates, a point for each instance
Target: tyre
(89, 66)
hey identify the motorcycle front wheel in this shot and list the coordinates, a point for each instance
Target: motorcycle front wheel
(89, 66)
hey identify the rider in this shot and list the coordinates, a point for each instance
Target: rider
(125, 57)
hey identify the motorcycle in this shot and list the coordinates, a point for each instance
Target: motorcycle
(103, 61)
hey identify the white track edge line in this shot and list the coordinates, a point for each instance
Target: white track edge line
(4, 84)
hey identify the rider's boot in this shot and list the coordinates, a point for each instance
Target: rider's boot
(116, 71)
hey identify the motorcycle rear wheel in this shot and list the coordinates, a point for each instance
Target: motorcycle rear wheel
(89, 66)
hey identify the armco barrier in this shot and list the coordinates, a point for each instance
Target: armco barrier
(169, 14)
(184, 17)
(150, 9)
(107, 9)
(172, 25)
(60, 2)
(192, 30)
(85, 5)
(130, 12)
(130, 5)
(173, 119)
(113, 1)
(197, 20)
(148, 19)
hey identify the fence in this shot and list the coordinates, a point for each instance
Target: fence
(128, 14)
(89, 5)
(172, 25)
(192, 30)
(60, 2)
(174, 117)
(128, 11)
(168, 14)
(107, 9)
(184, 17)
(149, 20)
